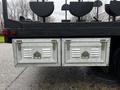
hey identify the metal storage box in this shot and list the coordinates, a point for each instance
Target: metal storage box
(62, 52)
(85, 52)
(41, 52)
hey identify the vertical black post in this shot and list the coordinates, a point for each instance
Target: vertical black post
(5, 12)
(109, 18)
(79, 18)
(65, 11)
(66, 15)
(97, 10)
(114, 17)
(44, 20)
(38, 16)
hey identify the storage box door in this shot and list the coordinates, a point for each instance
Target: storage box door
(44, 52)
(85, 52)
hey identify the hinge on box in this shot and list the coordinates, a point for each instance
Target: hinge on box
(19, 42)
(68, 44)
(103, 42)
(54, 42)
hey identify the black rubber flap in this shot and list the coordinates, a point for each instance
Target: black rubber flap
(65, 7)
(98, 3)
(42, 9)
(115, 7)
(80, 9)
(108, 10)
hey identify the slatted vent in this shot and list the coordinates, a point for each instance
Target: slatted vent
(47, 53)
(27, 53)
(75, 52)
(95, 53)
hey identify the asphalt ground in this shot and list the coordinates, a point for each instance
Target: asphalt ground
(56, 78)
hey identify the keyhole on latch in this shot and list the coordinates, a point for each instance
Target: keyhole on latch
(85, 55)
(37, 55)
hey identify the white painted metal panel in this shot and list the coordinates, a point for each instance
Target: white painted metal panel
(41, 52)
(85, 52)
(62, 52)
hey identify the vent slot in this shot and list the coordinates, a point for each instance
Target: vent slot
(37, 52)
(47, 52)
(95, 53)
(75, 53)
(27, 53)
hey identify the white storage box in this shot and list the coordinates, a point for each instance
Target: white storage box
(41, 52)
(62, 52)
(85, 52)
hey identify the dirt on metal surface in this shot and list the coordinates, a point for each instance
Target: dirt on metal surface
(57, 78)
